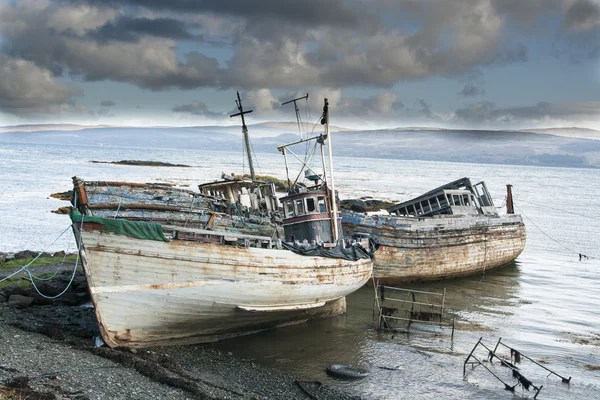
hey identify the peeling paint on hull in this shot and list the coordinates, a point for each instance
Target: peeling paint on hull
(430, 249)
(149, 293)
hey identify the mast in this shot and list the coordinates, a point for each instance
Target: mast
(334, 213)
(238, 102)
(297, 111)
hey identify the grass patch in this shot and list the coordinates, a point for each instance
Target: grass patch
(22, 280)
(15, 280)
(280, 186)
(16, 264)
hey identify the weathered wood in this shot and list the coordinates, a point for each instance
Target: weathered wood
(149, 293)
(413, 249)
(215, 233)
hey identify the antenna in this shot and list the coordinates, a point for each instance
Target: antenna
(238, 103)
(297, 111)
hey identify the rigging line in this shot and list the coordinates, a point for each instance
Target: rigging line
(305, 165)
(255, 158)
(38, 256)
(550, 237)
(74, 269)
(558, 209)
(243, 157)
(58, 269)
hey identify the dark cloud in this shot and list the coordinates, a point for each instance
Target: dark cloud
(108, 103)
(470, 90)
(578, 38)
(131, 29)
(306, 12)
(582, 16)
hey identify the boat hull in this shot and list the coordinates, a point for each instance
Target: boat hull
(428, 249)
(149, 293)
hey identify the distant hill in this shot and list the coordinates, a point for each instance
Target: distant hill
(257, 130)
(557, 147)
(582, 133)
(48, 127)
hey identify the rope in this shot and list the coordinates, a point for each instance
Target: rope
(72, 276)
(38, 256)
(503, 203)
(58, 269)
(558, 209)
(554, 240)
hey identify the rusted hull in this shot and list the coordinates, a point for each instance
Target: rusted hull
(439, 248)
(149, 293)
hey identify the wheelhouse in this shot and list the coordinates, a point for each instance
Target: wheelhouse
(307, 216)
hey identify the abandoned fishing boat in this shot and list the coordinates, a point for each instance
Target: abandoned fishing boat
(454, 230)
(162, 270)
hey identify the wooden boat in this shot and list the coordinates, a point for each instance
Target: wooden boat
(451, 231)
(190, 279)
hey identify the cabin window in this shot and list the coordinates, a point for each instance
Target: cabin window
(466, 200)
(322, 204)
(310, 205)
(300, 207)
(456, 199)
(441, 199)
(289, 209)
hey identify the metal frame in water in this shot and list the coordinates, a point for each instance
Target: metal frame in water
(410, 306)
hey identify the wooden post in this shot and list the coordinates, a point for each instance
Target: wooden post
(509, 200)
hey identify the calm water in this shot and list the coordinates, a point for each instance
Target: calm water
(546, 304)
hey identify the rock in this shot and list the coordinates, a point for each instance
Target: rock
(17, 301)
(353, 205)
(12, 290)
(19, 382)
(51, 288)
(69, 299)
(2, 298)
(59, 254)
(82, 287)
(25, 254)
(41, 301)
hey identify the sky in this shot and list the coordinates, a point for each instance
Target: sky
(477, 64)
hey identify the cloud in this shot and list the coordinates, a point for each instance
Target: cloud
(307, 12)
(274, 43)
(471, 90)
(130, 29)
(541, 113)
(578, 37)
(273, 46)
(582, 16)
(196, 108)
(64, 38)
(108, 103)
(26, 89)
(261, 100)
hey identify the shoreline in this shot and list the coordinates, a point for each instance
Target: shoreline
(49, 352)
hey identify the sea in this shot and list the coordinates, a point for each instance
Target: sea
(546, 304)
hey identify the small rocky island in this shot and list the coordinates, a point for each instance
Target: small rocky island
(142, 163)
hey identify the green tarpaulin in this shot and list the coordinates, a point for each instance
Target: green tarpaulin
(136, 229)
